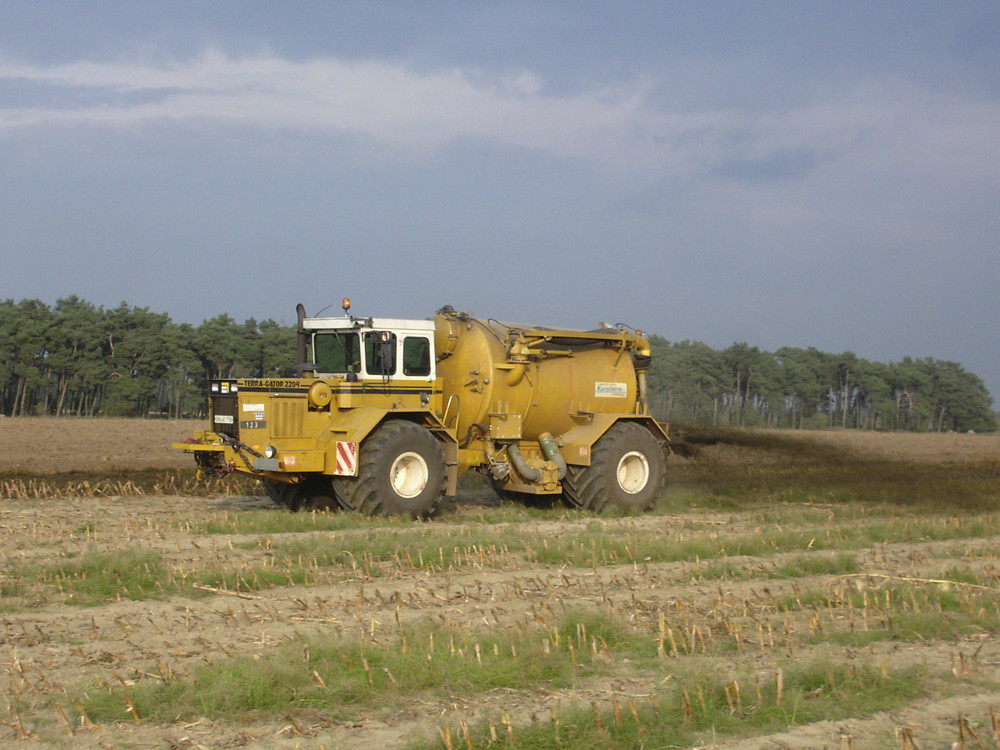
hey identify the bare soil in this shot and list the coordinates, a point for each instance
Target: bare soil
(51, 650)
(50, 445)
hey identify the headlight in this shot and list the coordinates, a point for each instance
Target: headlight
(270, 451)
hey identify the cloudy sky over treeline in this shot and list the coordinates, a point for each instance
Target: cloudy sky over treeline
(822, 173)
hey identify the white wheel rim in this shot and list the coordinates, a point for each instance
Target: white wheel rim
(408, 475)
(633, 472)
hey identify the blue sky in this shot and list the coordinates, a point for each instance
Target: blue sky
(820, 173)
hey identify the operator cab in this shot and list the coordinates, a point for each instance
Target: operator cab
(359, 349)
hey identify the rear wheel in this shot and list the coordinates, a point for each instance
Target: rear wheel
(626, 472)
(400, 472)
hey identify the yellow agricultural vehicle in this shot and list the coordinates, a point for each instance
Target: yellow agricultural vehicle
(385, 414)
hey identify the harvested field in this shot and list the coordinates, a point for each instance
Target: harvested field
(48, 445)
(789, 591)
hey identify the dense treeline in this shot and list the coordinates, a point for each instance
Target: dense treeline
(806, 388)
(75, 358)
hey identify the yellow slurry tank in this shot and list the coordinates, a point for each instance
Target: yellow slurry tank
(385, 414)
(550, 378)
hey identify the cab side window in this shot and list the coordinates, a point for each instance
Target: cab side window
(416, 356)
(380, 353)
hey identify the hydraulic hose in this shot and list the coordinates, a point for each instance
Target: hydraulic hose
(526, 472)
(551, 450)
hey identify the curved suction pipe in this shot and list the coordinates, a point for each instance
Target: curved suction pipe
(522, 468)
(551, 450)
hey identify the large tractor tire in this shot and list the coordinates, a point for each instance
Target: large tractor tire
(400, 473)
(315, 493)
(626, 472)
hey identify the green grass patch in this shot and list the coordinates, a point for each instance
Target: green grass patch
(346, 677)
(818, 564)
(97, 577)
(424, 548)
(250, 578)
(703, 708)
(282, 521)
(92, 577)
(898, 610)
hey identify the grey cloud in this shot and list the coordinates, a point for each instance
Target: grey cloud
(777, 165)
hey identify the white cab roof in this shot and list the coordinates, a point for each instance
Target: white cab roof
(380, 324)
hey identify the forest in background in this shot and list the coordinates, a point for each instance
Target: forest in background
(75, 358)
(691, 383)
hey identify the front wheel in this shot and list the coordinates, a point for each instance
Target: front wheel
(626, 470)
(281, 493)
(400, 472)
(315, 493)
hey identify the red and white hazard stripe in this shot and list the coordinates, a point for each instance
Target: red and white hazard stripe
(347, 459)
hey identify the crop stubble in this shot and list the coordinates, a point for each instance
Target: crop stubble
(732, 615)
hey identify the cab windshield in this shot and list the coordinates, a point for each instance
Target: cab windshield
(372, 354)
(337, 352)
